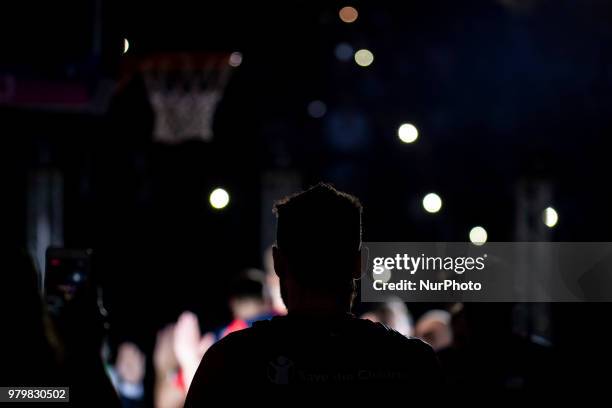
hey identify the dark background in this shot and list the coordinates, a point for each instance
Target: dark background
(502, 92)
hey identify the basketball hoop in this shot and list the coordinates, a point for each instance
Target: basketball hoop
(184, 90)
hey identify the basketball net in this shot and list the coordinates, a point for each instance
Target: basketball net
(184, 91)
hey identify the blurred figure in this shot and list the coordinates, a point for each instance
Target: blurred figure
(178, 351)
(393, 314)
(169, 391)
(82, 331)
(247, 295)
(248, 301)
(127, 375)
(29, 359)
(189, 345)
(317, 258)
(435, 328)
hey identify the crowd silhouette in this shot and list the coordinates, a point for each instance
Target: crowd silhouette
(292, 323)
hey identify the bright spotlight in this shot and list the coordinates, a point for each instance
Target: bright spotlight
(408, 133)
(550, 217)
(432, 203)
(126, 45)
(364, 57)
(348, 14)
(235, 59)
(478, 235)
(219, 198)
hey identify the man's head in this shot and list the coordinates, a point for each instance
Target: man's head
(318, 243)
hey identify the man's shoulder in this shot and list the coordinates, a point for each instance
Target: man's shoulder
(242, 341)
(377, 332)
(235, 339)
(386, 333)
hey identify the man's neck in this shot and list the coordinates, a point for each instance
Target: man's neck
(313, 303)
(318, 308)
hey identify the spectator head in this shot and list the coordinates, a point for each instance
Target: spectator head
(248, 294)
(318, 243)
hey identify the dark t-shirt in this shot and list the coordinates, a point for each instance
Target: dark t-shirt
(292, 350)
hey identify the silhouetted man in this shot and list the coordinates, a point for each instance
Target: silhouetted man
(317, 258)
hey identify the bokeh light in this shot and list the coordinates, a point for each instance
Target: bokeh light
(219, 198)
(432, 203)
(364, 58)
(348, 14)
(235, 59)
(317, 109)
(551, 217)
(384, 276)
(478, 235)
(344, 52)
(408, 133)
